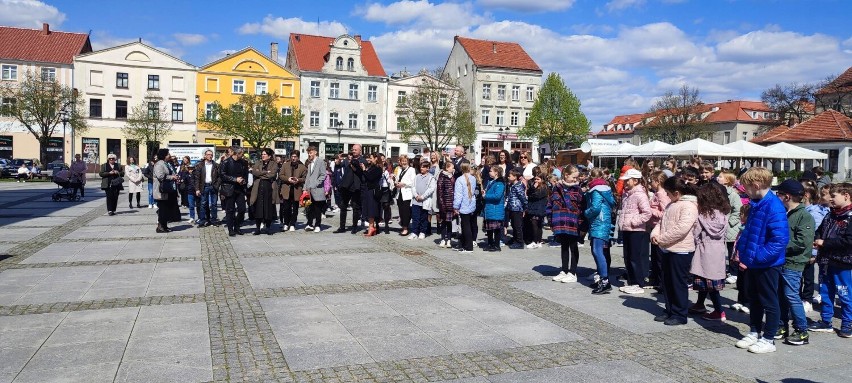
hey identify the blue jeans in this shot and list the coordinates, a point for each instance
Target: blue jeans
(836, 282)
(791, 301)
(190, 200)
(420, 218)
(150, 192)
(600, 259)
(207, 202)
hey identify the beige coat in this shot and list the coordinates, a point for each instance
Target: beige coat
(284, 175)
(269, 174)
(134, 178)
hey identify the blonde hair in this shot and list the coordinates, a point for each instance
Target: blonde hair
(729, 178)
(757, 175)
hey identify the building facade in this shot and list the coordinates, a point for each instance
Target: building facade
(400, 86)
(45, 53)
(246, 72)
(344, 92)
(501, 82)
(114, 81)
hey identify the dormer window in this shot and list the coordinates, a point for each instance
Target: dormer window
(338, 64)
(350, 64)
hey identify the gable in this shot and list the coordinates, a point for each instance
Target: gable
(136, 54)
(248, 60)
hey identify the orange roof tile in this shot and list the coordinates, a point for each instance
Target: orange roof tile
(311, 53)
(42, 45)
(830, 125)
(729, 111)
(842, 83)
(497, 54)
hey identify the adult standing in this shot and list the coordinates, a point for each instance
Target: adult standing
(528, 166)
(405, 184)
(207, 189)
(78, 175)
(350, 188)
(134, 184)
(233, 173)
(315, 186)
(504, 161)
(264, 191)
(371, 192)
(182, 186)
(112, 178)
(292, 176)
(386, 188)
(165, 190)
(148, 172)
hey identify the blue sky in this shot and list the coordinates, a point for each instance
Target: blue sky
(618, 55)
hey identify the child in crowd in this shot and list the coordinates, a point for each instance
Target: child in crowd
(599, 204)
(516, 204)
(658, 203)
(464, 203)
(817, 207)
(761, 248)
(633, 224)
(834, 243)
(742, 281)
(421, 203)
(564, 207)
(537, 195)
(706, 173)
(708, 264)
(677, 247)
(798, 254)
(445, 195)
(728, 179)
(494, 212)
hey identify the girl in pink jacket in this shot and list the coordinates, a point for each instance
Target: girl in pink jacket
(677, 245)
(708, 264)
(659, 201)
(635, 214)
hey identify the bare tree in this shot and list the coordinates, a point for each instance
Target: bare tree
(677, 117)
(254, 118)
(437, 113)
(149, 122)
(836, 93)
(40, 104)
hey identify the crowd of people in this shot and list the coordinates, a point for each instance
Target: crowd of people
(682, 226)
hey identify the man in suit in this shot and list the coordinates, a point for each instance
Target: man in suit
(350, 188)
(207, 189)
(292, 176)
(315, 186)
(233, 173)
(458, 160)
(337, 177)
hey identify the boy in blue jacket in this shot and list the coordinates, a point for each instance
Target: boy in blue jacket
(762, 245)
(834, 245)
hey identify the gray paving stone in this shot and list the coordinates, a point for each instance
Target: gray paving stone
(77, 354)
(103, 372)
(144, 372)
(84, 333)
(404, 346)
(626, 371)
(328, 354)
(14, 359)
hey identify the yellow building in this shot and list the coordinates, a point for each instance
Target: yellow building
(245, 72)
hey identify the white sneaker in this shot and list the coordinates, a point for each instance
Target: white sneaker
(317, 229)
(150, 206)
(570, 278)
(581, 245)
(737, 307)
(633, 290)
(817, 299)
(747, 341)
(262, 226)
(285, 227)
(763, 346)
(360, 223)
(191, 221)
(531, 246)
(293, 228)
(422, 236)
(562, 275)
(745, 310)
(412, 236)
(309, 228)
(808, 307)
(731, 280)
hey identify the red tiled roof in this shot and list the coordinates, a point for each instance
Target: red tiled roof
(497, 54)
(830, 125)
(36, 45)
(729, 111)
(311, 53)
(842, 83)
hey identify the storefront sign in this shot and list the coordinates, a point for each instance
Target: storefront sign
(6, 146)
(333, 148)
(91, 150)
(216, 141)
(195, 152)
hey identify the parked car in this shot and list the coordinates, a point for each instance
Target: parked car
(6, 168)
(56, 166)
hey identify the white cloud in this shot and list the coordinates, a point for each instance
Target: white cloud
(218, 55)
(281, 28)
(528, 5)
(619, 5)
(187, 39)
(29, 14)
(422, 14)
(769, 46)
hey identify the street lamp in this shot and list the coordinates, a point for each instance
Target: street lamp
(64, 115)
(338, 126)
(384, 146)
(504, 132)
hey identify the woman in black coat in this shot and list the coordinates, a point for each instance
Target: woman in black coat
(370, 199)
(112, 178)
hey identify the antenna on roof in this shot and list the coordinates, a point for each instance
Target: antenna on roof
(318, 29)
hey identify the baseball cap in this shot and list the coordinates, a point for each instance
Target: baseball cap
(631, 173)
(791, 187)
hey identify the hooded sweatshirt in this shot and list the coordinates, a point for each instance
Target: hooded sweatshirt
(710, 250)
(599, 205)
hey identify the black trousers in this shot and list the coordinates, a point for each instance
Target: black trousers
(350, 198)
(289, 212)
(315, 213)
(130, 198)
(808, 286)
(79, 187)
(763, 292)
(467, 231)
(675, 274)
(112, 198)
(656, 270)
(532, 228)
(517, 218)
(636, 256)
(404, 211)
(569, 251)
(235, 210)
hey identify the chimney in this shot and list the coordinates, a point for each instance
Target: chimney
(358, 38)
(45, 29)
(273, 51)
(298, 38)
(494, 47)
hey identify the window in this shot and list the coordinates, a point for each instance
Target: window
(286, 111)
(530, 91)
(259, 114)
(10, 72)
(465, 69)
(350, 65)
(727, 138)
(154, 110)
(210, 111)
(211, 85)
(260, 87)
(486, 91)
(314, 122)
(513, 118)
(239, 87)
(334, 90)
(353, 121)
(442, 100)
(315, 91)
(120, 109)
(353, 91)
(287, 90)
(7, 106)
(500, 118)
(177, 84)
(486, 115)
(516, 93)
(333, 119)
(371, 122)
(400, 123)
(48, 74)
(95, 108)
(177, 112)
(526, 117)
(745, 136)
(96, 78)
(121, 80)
(153, 82)
(372, 93)
(501, 92)
(338, 64)
(400, 96)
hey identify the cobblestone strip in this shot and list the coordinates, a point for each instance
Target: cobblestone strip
(133, 261)
(99, 304)
(352, 287)
(356, 250)
(242, 344)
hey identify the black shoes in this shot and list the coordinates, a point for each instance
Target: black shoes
(339, 230)
(602, 288)
(256, 232)
(674, 322)
(661, 318)
(231, 233)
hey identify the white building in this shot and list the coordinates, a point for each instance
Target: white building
(115, 80)
(344, 92)
(399, 87)
(501, 82)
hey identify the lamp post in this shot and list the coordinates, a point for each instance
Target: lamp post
(65, 120)
(338, 126)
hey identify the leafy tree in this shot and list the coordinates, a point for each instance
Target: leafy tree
(437, 113)
(556, 119)
(254, 118)
(677, 117)
(40, 104)
(149, 122)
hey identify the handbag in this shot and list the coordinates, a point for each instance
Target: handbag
(116, 182)
(167, 186)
